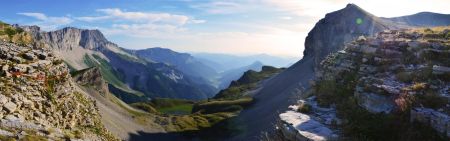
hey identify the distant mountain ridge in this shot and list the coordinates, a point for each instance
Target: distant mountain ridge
(423, 19)
(224, 62)
(184, 62)
(234, 74)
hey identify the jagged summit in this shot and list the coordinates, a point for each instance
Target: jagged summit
(353, 7)
(338, 27)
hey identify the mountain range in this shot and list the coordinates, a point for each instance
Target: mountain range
(147, 73)
(65, 79)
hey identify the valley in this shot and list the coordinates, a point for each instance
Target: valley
(361, 77)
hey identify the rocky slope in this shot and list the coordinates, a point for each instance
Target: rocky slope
(119, 118)
(39, 99)
(397, 77)
(82, 49)
(328, 36)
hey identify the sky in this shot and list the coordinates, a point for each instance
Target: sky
(240, 27)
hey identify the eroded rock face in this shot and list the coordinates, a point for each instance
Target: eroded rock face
(92, 77)
(332, 32)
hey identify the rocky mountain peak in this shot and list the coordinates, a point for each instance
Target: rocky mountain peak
(331, 32)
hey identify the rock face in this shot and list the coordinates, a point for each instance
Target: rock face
(69, 37)
(91, 77)
(39, 95)
(337, 28)
(437, 120)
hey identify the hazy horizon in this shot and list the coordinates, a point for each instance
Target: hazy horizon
(272, 27)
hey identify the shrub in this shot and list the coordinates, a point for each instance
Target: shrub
(222, 105)
(10, 32)
(403, 76)
(432, 100)
(304, 108)
(144, 106)
(418, 86)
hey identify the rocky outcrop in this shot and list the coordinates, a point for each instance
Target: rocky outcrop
(332, 32)
(91, 77)
(392, 72)
(314, 123)
(39, 97)
(437, 120)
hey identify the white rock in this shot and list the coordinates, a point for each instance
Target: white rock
(3, 99)
(10, 107)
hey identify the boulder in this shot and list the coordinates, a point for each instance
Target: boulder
(374, 103)
(437, 120)
(441, 70)
(29, 56)
(10, 107)
(3, 99)
(42, 56)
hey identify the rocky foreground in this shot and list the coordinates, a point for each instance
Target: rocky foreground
(393, 86)
(38, 98)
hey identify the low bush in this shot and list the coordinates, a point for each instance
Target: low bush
(304, 108)
(222, 105)
(431, 100)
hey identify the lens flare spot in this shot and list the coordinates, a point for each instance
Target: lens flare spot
(359, 21)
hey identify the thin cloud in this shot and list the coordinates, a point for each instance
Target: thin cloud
(219, 7)
(140, 17)
(46, 22)
(141, 24)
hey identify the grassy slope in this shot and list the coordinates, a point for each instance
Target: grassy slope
(14, 35)
(109, 74)
(208, 113)
(247, 82)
